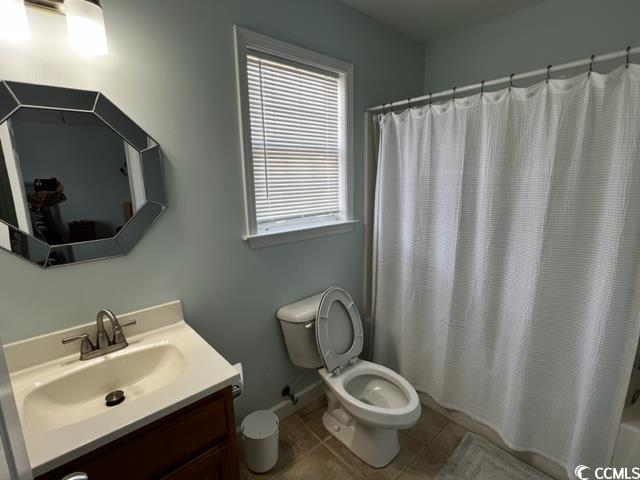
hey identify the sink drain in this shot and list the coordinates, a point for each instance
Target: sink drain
(114, 398)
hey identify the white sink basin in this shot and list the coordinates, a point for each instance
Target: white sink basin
(61, 399)
(80, 393)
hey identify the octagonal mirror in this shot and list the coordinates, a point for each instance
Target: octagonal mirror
(79, 180)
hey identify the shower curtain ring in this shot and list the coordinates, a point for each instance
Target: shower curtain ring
(409, 103)
(430, 98)
(454, 93)
(627, 56)
(481, 88)
(591, 65)
(511, 81)
(548, 73)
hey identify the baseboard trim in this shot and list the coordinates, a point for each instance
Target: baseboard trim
(285, 408)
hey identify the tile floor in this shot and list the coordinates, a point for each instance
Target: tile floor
(309, 452)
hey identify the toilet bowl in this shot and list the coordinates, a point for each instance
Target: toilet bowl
(367, 403)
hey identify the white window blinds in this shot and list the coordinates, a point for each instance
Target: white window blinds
(295, 140)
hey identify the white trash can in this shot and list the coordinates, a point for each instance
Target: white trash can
(260, 431)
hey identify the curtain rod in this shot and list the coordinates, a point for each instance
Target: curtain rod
(534, 73)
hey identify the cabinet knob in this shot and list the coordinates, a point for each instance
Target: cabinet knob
(76, 476)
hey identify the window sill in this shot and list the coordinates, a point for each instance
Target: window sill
(260, 240)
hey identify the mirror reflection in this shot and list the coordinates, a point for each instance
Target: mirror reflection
(71, 177)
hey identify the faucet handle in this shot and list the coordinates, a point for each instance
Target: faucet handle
(85, 347)
(118, 334)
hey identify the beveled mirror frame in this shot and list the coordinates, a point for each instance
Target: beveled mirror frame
(16, 95)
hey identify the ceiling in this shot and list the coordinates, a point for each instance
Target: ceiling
(428, 20)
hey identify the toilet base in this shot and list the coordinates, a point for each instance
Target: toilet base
(375, 446)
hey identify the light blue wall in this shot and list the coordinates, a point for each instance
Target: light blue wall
(171, 69)
(552, 32)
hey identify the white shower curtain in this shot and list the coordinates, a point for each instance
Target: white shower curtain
(507, 253)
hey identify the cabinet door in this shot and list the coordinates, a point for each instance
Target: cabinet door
(211, 465)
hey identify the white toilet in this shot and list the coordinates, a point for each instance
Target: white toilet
(367, 403)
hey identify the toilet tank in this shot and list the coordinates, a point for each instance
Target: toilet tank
(297, 321)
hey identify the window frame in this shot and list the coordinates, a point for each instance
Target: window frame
(245, 42)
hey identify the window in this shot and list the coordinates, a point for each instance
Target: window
(295, 111)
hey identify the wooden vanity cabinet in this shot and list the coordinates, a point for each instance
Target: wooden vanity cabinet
(197, 442)
(211, 465)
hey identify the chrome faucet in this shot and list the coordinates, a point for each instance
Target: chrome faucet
(104, 344)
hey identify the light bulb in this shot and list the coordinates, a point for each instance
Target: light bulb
(85, 27)
(13, 20)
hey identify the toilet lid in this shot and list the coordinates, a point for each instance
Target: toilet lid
(338, 329)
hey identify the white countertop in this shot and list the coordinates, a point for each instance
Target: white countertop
(40, 360)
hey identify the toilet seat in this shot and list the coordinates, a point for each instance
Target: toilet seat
(334, 360)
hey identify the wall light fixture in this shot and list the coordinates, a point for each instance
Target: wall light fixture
(85, 22)
(13, 21)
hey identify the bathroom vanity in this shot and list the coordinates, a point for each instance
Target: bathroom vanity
(197, 442)
(176, 420)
